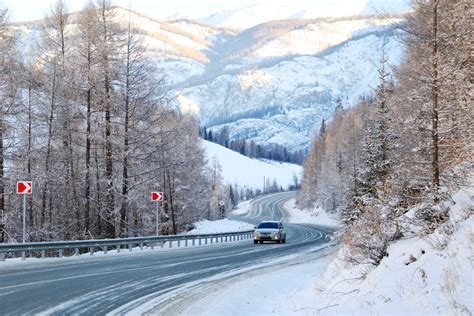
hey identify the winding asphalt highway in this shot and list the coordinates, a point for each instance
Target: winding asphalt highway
(118, 284)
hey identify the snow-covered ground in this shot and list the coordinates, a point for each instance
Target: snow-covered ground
(242, 208)
(430, 275)
(251, 173)
(272, 290)
(219, 226)
(317, 216)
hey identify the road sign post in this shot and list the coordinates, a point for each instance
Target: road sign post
(24, 217)
(24, 187)
(2, 227)
(157, 197)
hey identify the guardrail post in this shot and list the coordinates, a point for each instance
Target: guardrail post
(152, 246)
(162, 244)
(225, 238)
(76, 251)
(2, 256)
(43, 254)
(171, 243)
(212, 239)
(179, 243)
(118, 248)
(185, 243)
(105, 250)
(222, 239)
(199, 241)
(130, 247)
(23, 255)
(91, 250)
(194, 241)
(141, 246)
(61, 253)
(205, 241)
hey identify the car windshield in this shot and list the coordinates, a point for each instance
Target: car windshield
(268, 225)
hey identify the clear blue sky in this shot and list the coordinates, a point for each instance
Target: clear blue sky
(26, 10)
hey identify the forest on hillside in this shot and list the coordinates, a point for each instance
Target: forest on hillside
(408, 146)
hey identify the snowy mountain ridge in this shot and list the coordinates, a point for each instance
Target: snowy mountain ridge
(272, 82)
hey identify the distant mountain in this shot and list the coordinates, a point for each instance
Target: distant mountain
(273, 82)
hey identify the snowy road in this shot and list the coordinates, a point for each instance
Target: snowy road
(136, 283)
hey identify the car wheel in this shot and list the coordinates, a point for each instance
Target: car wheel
(261, 241)
(278, 241)
(255, 242)
(283, 241)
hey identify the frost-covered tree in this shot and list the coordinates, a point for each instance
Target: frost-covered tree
(408, 144)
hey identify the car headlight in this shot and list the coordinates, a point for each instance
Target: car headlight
(256, 234)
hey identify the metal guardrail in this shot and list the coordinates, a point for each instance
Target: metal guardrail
(58, 247)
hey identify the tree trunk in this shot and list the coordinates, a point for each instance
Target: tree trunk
(48, 152)
(99, 196)
(123, 209)
(170, 203)
(2, 174)
(28, 163)
(434, 100)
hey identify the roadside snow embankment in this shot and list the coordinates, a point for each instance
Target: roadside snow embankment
(242, 208)
(429, 275)
(317, 216)
(219, 226)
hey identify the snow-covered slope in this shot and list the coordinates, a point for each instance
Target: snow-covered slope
(428, 275)
(276, 86)
(250, 173)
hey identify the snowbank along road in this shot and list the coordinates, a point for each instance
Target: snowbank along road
(128, 284)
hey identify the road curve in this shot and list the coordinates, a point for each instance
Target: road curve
(118, 284)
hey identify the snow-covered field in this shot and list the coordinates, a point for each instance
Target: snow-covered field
(251, 173)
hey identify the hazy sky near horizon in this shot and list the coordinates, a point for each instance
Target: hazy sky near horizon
(27, 10)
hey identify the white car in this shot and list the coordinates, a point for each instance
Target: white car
(269, 231)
